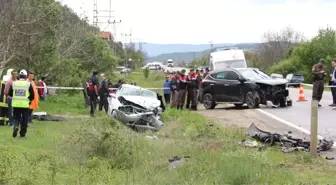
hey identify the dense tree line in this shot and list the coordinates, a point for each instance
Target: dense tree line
(50, 39)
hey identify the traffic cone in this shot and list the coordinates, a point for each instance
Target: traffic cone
(301, 94)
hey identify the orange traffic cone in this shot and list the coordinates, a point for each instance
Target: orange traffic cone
(301, 94)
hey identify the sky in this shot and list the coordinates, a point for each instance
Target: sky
(202, 21)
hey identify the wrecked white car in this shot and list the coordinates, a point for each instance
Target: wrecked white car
(137, 107)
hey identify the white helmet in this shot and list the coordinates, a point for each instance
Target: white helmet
(23, 72)
(169, 60)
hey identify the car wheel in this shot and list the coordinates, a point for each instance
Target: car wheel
(238, 104)
(114, 114)
(252, 100)
(282, 102)
(208, 102)
(289, 103)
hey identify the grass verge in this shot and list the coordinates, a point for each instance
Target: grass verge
(102, 151)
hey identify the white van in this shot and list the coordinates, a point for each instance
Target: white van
(170, 63)
(227, 58)
(153, 66)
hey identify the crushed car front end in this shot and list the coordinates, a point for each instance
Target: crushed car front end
(275, 93)
(138, 116)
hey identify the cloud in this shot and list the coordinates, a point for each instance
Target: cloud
(199, 21)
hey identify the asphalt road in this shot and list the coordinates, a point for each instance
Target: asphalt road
(299, 113)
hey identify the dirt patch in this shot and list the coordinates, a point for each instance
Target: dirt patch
(211, 146)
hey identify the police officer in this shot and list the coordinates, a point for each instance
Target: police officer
(103, 93)
(182, 89)
(22, 94)
(174, 90)
(93, 92)
(189, 88)
(193, 84)
(319, 73)
(207, 70)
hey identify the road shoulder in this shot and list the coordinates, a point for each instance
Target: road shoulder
(228, 116)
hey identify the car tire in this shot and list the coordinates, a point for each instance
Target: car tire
(289, 103)
(114, 114)
(252, 99)
(239, 105)
(282, 102)
(208, 102)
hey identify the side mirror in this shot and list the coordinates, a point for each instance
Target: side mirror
(242, 80)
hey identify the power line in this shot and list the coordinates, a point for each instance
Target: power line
(97, 14)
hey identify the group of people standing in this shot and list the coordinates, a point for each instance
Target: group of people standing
(319, 73)
(181, 87)
(97, 90)
(22, 98)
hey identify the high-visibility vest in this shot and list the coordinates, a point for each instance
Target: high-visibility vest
(20, 94)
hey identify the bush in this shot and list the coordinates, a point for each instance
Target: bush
(146, 72)
(102, 138)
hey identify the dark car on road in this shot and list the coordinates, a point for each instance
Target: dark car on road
(241, 86)
(294, 79)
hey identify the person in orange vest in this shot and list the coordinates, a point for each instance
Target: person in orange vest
(34, 103)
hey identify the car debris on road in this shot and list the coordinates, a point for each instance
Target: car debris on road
(288, 143)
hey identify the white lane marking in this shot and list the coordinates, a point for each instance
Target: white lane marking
(289, 123)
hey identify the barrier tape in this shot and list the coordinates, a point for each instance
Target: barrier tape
(310, 85)
(81, 88)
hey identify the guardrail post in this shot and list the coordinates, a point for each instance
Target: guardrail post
(313, 128)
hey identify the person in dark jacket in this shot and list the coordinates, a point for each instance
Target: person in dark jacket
(319, 73)
(189, 89)
(166, 90)
(333, 82)
(21, 102)
(93, 92)
(182, 89)
(193, 81)
(174, 90)
(85, 92)
(206, 72)
(103, 93)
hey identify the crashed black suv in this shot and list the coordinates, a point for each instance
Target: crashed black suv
(242, 85)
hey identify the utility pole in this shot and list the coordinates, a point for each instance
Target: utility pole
(114, 22)
(211, 45)
(126, 35)
(97, 16)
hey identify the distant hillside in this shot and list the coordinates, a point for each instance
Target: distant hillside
(156, 49)
(190, 55)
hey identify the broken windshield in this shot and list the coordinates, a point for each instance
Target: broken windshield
(130, 91)
(252, 74)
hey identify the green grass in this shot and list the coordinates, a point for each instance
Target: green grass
(100, 150)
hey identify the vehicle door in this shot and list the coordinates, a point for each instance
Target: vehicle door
(220, 90)
(233, 87)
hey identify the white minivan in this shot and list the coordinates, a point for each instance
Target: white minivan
(153, 66)
(227, 58)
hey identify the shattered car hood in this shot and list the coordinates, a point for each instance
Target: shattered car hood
(148, 103)
(272, 81)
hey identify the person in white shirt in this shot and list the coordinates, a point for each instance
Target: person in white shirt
(333, 82)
